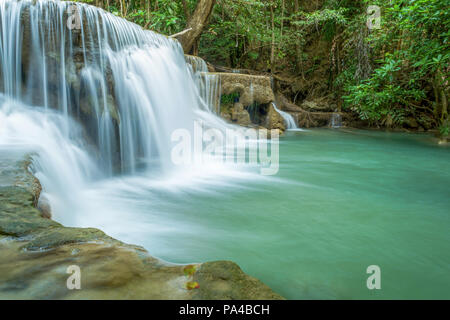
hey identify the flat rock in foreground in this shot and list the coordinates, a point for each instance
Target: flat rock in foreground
(35, 253)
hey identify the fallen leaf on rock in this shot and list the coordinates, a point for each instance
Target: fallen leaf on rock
(192, 285)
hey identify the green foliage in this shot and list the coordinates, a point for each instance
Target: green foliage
(385, 75)
(381, 98)
(163, 16)
(319, 18)
(229, 98)
(240, 33)
(415, 41)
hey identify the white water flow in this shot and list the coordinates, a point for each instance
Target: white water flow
(336, 120)
(207, 83)
(288, 119)
(98, 105)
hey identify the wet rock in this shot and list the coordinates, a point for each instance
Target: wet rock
(255, 93)
(72, 51)
(19, 194)
(197, 63)
(317, 105)
(225, 280)
(274, 120)
(226, 116)
(18, 217)
(56, 237)
(252, 89)
(44, 207)
(240, 115)
(35, 254)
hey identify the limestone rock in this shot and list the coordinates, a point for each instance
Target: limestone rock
(225, 280)
(35, 253)
(252, 89)
(226, 116)
(274, 120)
(18, 217)
(240, 115)
(44, 207)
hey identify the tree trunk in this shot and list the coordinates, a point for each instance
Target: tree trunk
(441, 101)
(282, 20)
(272, 51)
(197, 22)
(298, 51)
(186, 10)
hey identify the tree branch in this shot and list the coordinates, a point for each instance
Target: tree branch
(180, 33)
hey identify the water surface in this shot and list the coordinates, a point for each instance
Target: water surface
(342, 200)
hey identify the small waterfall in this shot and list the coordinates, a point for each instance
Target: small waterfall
(208, 84)
(336, 120)
(197, 63)
(288, 119)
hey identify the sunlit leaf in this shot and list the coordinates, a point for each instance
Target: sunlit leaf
(192, 285)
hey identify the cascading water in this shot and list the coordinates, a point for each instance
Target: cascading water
(207, 83)
(94, 102)
(88, 74)
(61, 161)
(113, 76)
(288, 119)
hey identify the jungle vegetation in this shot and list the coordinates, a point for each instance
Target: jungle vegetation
(391, 72)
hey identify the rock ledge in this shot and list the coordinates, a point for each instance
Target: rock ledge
(35, 253)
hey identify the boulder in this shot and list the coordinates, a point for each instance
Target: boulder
(254, 93)
(251, 89)
(44, 207)
(225, 280)
(63, 49)
(274, 120)
(240, 115)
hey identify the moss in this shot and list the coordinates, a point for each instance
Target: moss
(229, 99)
(110, 268)
(55, 237)
(225, 280)
(18, 217)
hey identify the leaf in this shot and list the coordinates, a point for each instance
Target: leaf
(189, 270)
(192, 285)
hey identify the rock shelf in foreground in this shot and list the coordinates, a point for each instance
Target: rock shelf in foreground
(35, 253)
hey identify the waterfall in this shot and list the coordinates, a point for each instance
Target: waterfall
(336, 120)
(130, 87)
(93, 102)
(197, 63)
(288, 119)
(62, 163)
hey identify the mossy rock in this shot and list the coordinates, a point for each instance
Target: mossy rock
(35, 253)
(55, 237)
(225, 280)
(18, 217)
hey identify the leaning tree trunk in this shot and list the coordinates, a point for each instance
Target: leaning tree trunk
(197, 22)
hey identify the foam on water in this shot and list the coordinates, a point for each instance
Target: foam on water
(137, 88)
